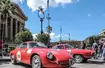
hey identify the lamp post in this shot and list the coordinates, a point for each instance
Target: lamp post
(49, 28)
(69, 38)
(60, 35)
(41, 15)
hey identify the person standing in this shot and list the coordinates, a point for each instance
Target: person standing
(103, 51)
(95, 47)
(100, 49)
(0, 48)
(83, 45)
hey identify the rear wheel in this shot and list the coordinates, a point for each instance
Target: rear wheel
(36, 62)
(13, 61)
(78, 58)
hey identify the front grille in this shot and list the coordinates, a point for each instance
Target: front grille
(70, 62)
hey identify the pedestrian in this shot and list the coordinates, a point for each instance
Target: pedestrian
(0, 49)
(100, 49)
(83, 45)
(103, 52)
(95, 48)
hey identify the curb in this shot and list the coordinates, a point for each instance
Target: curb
(5, 59)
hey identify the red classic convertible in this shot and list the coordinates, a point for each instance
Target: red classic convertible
(38, 56)
(79, 55)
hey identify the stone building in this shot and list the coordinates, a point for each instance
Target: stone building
(102, 33)
(12, 24)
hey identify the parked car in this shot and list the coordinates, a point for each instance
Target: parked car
(38, 55)
(79, 55)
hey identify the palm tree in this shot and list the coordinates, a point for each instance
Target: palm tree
(6, 7)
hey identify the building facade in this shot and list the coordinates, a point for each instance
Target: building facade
(11, 24)
(102, 33)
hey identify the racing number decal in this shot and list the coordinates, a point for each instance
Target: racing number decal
(29, 51)
(18, 55)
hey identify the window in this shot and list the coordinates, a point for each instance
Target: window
(68, 46)
(24, 45)
(60, 47)
(32, 45)
(37, 44)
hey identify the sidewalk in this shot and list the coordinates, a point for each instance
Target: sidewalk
(5, 58)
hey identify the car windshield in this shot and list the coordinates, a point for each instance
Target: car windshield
(68, 46)
(37, 44)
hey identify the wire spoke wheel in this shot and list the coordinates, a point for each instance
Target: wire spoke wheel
(36, 62)
(78, 58)
(13, 61)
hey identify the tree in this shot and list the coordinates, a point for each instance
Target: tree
(6, 7)
(23, 36)
(44, 38)
(90, 40)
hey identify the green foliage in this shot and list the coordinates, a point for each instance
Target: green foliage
(11, 48)
(90, 40)
(23, 36)
(44, 38)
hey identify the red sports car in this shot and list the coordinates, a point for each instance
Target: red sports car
(38, 55)
(79, 55)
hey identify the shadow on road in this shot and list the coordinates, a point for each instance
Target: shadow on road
(28, 66)
(23, 65)
(94, 62)
(4, 62)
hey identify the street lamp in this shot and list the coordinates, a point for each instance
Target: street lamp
(49, 28)
(69, 38)
(41, 15)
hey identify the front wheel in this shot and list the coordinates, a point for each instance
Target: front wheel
(13, 60)
(78, 58)
(36, 62)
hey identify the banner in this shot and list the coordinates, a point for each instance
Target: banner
(0, 44)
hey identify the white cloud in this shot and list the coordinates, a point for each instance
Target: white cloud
(17, 1)
(34, 4)
(53, 36)
(34, 36)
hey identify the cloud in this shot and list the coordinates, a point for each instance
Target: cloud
(34, 36)
(53, 36)
(17, 1)
(34, 4)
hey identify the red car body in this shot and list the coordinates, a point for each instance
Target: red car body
(24, 54)
(86, 54)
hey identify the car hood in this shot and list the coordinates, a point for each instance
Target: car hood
(58, 53)
(82, 50)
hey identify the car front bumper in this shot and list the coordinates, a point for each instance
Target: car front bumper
(61, 64)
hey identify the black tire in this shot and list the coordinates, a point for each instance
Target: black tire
(13, 61)
(85, 60)
(78, 58)
(36, 62)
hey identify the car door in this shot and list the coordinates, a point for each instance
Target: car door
(23, 50)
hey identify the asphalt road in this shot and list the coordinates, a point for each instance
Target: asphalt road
(89, 64)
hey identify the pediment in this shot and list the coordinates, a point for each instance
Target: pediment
(19, 12)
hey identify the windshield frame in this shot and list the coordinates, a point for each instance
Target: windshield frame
(37, 45)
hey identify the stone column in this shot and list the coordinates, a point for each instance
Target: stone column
(11, 28)
(6, 27)
(16, 22)
(0, 26)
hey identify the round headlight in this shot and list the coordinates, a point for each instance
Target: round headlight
(50, 56)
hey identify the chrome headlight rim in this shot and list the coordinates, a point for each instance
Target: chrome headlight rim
(50, 56)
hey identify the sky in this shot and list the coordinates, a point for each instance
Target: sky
(80, 18)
